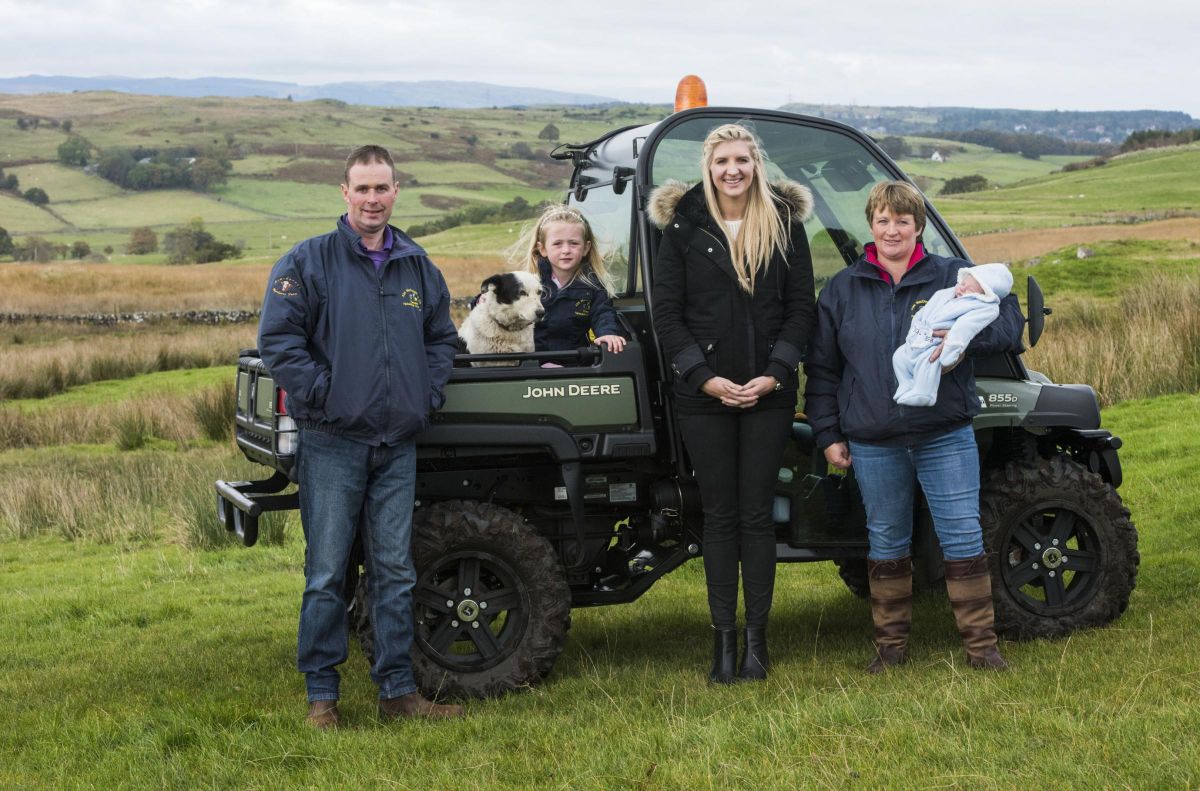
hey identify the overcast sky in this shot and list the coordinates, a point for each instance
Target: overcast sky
(1027, 54)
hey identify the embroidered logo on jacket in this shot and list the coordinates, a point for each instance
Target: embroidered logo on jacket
(286, 286)
(914, 307)
(583, 307)
(410, 298)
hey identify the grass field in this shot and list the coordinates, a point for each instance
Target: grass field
(140, 647)
(286, 198)
(134, 663)
(20, 213)
(1144, 185)
(998, 168)
(173, 207)
(456, 173)
(291, 153)
(18, 146)
(64, 183)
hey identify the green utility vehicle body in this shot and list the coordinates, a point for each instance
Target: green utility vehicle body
(540, 488)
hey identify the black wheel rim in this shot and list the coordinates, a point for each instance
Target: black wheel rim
(1050, 561)
(471, 611)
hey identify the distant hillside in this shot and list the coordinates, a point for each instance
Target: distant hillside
(381, 94)
(1105, 126)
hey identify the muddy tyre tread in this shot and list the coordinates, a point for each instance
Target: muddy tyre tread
(1014, 491)
(457, 526)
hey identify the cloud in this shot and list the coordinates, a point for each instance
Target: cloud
(1022, 53)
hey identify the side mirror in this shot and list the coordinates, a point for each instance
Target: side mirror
(1036, 311)
(621, 177)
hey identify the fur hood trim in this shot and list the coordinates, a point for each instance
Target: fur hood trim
(676, 196)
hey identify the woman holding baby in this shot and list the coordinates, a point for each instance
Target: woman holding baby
(863, 317)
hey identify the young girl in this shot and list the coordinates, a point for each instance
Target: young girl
(561, 249)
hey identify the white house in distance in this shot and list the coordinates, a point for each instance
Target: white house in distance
(936, 156)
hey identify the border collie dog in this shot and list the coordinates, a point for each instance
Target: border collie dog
(502, 318)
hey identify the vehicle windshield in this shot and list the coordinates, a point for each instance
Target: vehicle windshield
(610, 216)
(838, 169)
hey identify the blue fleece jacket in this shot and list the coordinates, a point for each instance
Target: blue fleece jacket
(360, 352)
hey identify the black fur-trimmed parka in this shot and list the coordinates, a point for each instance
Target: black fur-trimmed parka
(707, 324)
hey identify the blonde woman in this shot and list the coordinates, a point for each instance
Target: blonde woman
(733, 308)
(561, 249)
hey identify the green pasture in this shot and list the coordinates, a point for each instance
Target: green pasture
(998, 168)
(134, 663)
(283, 198)
(259, 164)
(17, 145)
(19, 216)
(489, 239)
(63, 183)
(1143, 185)
(160, 207)
(1111, 270)
(114, 391)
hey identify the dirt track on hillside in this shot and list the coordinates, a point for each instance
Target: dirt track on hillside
(1018, 245)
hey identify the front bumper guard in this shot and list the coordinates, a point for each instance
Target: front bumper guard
(241, 503)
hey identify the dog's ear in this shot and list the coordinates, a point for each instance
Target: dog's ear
(494, 281)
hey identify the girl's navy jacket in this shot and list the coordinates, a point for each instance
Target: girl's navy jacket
(571, 311)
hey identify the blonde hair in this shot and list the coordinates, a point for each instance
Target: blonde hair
(524, 253)
(763, 229)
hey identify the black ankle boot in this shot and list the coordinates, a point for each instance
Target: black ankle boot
(724, 657)
(754, 655)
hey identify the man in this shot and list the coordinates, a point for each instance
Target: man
(356, 328)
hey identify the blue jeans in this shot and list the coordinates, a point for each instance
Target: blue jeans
(344, 483)
(948, 470)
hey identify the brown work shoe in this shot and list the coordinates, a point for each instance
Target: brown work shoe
(413, 705)
(323, 714)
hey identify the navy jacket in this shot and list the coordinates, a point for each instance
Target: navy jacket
(361, 353)
(861, 320)
(706, 323)
(582, 305)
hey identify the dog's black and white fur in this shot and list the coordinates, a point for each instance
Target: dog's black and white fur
(503, 316)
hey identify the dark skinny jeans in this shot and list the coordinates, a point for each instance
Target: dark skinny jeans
(736, 456)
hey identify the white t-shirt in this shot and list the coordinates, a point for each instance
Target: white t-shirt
(734, 226)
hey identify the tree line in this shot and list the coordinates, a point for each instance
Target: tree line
(149, 169)
(187, 244)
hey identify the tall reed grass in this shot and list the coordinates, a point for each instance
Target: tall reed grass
(214, 410)
(1144, 343)
(142, 497)
(76, 288)
(128, 424)
(41, 369)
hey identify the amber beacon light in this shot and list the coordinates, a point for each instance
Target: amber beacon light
(690, 93)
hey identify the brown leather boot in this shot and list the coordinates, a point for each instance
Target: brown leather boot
(969, 586)
(414, 705)
(891, 610)
(323, 714)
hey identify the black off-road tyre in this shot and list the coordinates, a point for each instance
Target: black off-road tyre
(508, 630)
(1063, 552)
(853, 572)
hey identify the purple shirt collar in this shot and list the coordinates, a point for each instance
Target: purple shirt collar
(378, 257)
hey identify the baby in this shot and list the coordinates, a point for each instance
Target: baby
(962, 311)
